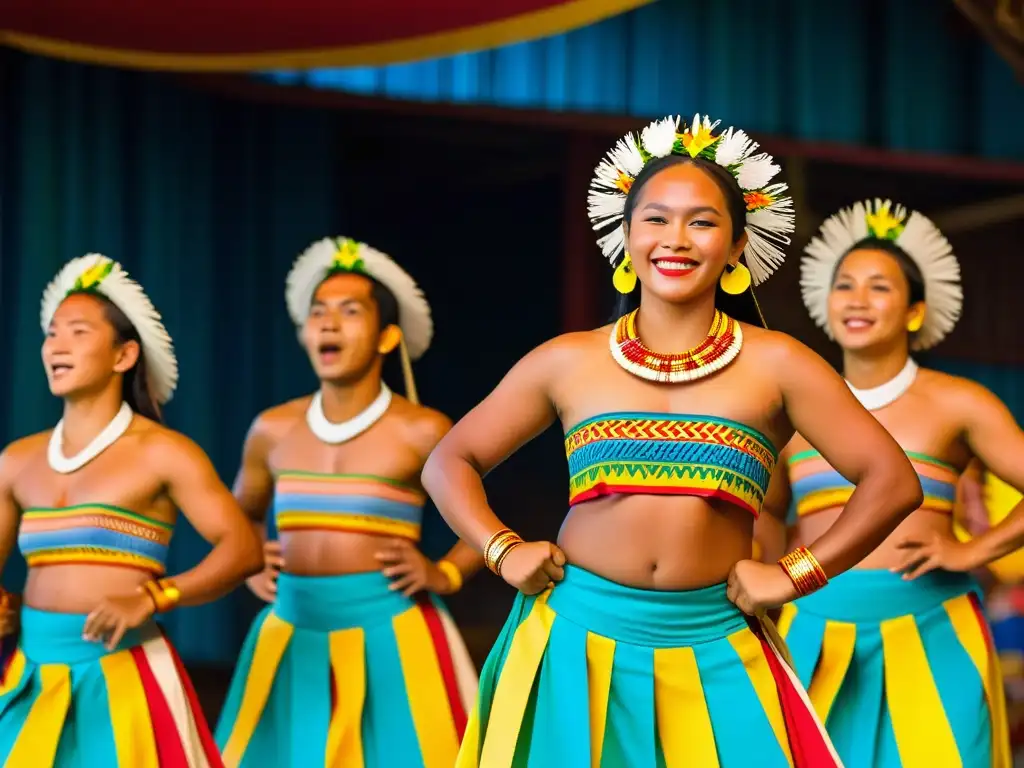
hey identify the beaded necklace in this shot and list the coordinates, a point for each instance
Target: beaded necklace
(719, 348)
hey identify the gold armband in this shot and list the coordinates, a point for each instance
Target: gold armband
(804, 571)
(497, 548)
(164, 593)
(452, 573)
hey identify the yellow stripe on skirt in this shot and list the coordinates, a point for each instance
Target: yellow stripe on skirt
(593, 673)
(342, 672)
(69, 703)
(903, 673)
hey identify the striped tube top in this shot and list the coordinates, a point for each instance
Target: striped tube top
(657, 453)
(98, 534)
(310, 501)
(817, 487)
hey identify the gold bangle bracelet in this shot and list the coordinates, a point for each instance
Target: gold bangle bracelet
(499, 545)
(452, 573)
(164, 593)
(804, 571)
(501, 558)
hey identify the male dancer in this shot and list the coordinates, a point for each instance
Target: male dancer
(356, 662)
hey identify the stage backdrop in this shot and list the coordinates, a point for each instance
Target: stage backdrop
(207, 202)
(910, 75)
(202, 204)
(247, 35)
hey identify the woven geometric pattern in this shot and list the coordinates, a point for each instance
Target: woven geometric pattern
(654, 454)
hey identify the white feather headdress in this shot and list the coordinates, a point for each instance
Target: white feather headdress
(915, 235)
(769, 213)
(330, 255)
(96, 273)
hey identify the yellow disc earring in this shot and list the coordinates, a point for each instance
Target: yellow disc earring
(917, 315)
(736, 280)
(624, 278)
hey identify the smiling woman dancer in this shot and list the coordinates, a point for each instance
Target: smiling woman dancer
(356, 663)
(625, 645)
(901, 668)
(92, 680)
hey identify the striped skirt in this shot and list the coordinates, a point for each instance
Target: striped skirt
(596, 674)
(902, 673)
(343, 672)
(68, 703)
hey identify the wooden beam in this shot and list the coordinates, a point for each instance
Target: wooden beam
(607, 126)
(984, 214)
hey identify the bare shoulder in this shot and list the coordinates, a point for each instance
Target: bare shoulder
(946, 384)
(275, 422)
(423, 427)
(161, 443)
(18, 454)
(568, 348)
(775, 348)
(955, 393)
(574, 343)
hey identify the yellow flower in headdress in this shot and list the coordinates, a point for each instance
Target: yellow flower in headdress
(697, 143)
(93, 276)
(883, 224)
(347, 258)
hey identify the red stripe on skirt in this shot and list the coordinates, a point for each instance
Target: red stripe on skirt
(205, 736)
(806, 743)
(169, 750)
(979, 614)
(444, 659)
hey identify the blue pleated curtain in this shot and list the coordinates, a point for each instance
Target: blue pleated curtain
(907, 75)
(204, 203)
(207, 201)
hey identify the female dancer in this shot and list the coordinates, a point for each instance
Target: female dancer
(93, 681)
(637, 656)
(900, 667)
(354, 664)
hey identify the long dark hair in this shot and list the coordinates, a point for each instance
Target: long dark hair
(742, 307)
(135, 389)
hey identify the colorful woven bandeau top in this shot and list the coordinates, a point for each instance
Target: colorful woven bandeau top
(817, 487)
(357, 503)
(657, 453)
(98, 534)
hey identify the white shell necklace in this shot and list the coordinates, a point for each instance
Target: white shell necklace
(332, 433)
(66, 465)
(884, 394)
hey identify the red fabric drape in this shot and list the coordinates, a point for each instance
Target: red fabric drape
(247, 35)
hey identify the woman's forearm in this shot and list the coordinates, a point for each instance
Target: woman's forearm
(879, 503)
(233, 559)
(1000, 540)
(465, 558)
(457, 490)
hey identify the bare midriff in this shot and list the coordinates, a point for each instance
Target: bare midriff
(657, 542)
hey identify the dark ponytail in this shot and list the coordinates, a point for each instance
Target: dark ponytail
(135, 389)
(742, 307)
